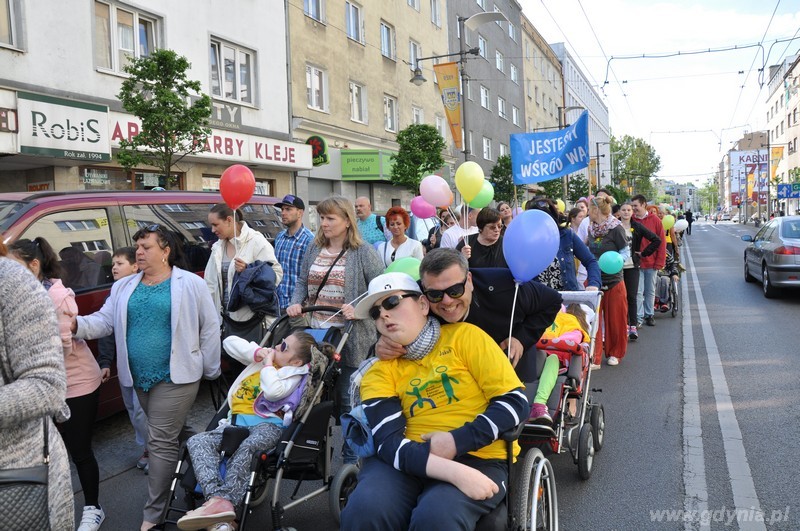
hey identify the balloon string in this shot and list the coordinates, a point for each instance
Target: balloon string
(511, 324)
(340, 310)
(235, 247)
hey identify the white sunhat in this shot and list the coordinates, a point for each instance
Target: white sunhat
(383, 285)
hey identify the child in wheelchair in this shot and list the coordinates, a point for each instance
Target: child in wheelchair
(262, 401)
(670, 273)
(564, 338)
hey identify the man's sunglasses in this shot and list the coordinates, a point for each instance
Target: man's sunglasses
(456, 291)
(389, 303)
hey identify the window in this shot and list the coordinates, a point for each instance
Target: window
(481, 3)
(497, 10)
(528, 90)
(417, 116)
(515, 115)
(77, 224)
(484, 97)
(354, 21)
(358, 103)
(536, 95)
(514, 74)
(470, 143)
(316, 88)
(499, 60)
(487, 148)
(121, 35)
(501, 108)
(313, 8)
(8, 29)
(436, 13)
(387, 41)
(468, 86)
(503, 150)
(195, 224)
(440, 126)
(414, 53)
(414, 4)
(390, 113)
(481, 46)
(512, 32)
(232, 75)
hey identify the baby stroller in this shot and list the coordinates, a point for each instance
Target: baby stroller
(578, 421)
(304, 452)
(666, 299)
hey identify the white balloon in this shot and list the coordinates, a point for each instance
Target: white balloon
(681, 225)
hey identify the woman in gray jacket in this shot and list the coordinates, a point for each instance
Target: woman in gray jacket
(33, 385)
(336, 271)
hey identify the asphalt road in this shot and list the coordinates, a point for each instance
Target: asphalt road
(700, 399)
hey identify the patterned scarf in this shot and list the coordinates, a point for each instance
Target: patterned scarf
(423, 344)
(598, 230)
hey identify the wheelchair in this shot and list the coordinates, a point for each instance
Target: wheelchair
(304, 453)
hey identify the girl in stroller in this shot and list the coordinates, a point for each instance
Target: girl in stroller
(566, 334)
(262, 400)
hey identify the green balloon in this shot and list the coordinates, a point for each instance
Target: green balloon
(484, 197)
(611, 262)
(408, 265)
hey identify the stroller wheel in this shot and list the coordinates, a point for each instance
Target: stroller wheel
(342, 486)
(585, 451)
(598, 422)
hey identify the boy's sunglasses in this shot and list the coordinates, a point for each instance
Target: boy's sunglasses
(456, 291)
(388, 304)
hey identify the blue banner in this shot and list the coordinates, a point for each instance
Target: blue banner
(537, 157)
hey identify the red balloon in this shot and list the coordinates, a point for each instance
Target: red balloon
(237, 185)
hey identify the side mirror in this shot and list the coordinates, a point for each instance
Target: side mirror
(747, 238)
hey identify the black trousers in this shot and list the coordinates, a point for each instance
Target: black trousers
(77, 435)
(631, 278)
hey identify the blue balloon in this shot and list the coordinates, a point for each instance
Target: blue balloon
(530, 244)
(611, 262)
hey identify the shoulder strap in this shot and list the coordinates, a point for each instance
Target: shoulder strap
(46, 441)
(378, 223)
(327, 274)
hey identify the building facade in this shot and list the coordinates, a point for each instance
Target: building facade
(783, 129)
(61, 118)
(544, 83)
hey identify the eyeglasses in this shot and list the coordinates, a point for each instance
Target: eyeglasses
(541, 204)
(389, 303)
(456, 291)
(155, 227)
(283, 346)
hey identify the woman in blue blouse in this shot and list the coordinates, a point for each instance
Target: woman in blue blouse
(166, 330)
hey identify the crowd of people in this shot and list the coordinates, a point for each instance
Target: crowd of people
(165, 329)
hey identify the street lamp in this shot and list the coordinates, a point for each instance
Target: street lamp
(464, 23)
(597, 165)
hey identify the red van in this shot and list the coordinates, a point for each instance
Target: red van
(86, 227)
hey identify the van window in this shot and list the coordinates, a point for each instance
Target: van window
(83, 241)
(8, 213)
(188, 222)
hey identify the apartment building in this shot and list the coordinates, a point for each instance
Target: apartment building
(579, 92)
(494, 105)
(544, 84)
(64, 64)
(783, 128)
(351, 63)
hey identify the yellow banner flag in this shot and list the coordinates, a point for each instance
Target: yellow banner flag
(774, 160)
(447, 75)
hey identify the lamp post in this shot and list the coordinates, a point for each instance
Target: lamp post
(464, 23)
(562, 116)
(597, 165)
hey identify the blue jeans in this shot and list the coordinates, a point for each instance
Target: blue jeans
(386, 498)
(345, 404)
(646, 294)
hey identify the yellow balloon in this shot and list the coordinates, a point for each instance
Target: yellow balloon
(469, 180)
(560, 205)
(668, 222)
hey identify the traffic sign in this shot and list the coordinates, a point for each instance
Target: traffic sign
(789, 191)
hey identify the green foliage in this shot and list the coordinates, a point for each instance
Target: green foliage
(159, 93)
(635, 163)
(503, 181)
(552, 188)
(577, 187)
(420, 154)
(709, 196)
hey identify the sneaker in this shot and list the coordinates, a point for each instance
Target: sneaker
(223, 526)
(633, 333)
(146, 469)
(650, 321)
(664, 308)
(639, 323)
(680, 266)
(92, 518)
(214, 511)
(612, 360)
(540, 415)
(595, 366)
(143, 461)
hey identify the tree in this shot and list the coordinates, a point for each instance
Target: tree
(502, 179)
(709, 196)
(635, 163)
(159, 92)
(420, 154)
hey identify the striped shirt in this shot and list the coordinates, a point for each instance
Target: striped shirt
(290, 250)
(332, 293)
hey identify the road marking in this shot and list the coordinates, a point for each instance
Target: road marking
(694, 467)
(745, 498)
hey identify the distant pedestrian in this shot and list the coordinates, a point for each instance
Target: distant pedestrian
(371, 226)
(290, 246)
(400, 246)
(689, 219)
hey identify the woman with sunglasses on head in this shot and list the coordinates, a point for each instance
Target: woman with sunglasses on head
(238, 246)
(561, 274)
(485, 249)
(436, 414)
(336, 271)
(400, 246)
(83, 375)
(166, 332)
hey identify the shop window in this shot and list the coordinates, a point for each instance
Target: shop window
(82, 239)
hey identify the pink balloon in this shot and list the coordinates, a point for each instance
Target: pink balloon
(421, 208)
(516, 212)
(434, 190)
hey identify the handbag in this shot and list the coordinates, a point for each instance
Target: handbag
(252, 330)
(23, 494)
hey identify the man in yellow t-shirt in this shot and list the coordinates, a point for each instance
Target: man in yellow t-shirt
(436, 414)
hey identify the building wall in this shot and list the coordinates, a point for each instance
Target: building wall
(544, 83)
(783, 125)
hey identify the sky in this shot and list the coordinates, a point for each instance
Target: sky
(690, 108)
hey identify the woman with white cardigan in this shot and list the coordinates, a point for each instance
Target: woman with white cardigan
(238, 246)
